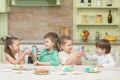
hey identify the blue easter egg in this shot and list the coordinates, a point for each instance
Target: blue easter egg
(80, 48)
(67, 68)
(32, 49)
(87, 68)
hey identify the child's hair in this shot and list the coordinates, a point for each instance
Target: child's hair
(54, 38)
(104, 44)
(8, 42)
(63, 39)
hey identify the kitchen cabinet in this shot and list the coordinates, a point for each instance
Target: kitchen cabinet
(89, 21)
(3, 30)
(36, 2)
(4, 6)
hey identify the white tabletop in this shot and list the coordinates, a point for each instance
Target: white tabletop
(7, 73)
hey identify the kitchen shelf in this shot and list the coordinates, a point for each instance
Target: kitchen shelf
(102, 24)
(94, 7)
(79, 12)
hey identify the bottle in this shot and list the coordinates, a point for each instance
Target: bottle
(109, 17)
(109, 3)
(82, 2)
(89, 2)
(99, 3)
(97, 36)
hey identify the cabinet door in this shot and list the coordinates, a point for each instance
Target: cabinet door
(4, 6)
(3, 24)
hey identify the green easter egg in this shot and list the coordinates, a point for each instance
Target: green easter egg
(17, 66)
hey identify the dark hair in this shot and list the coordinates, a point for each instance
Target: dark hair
(104, 44)
(64, 38)
(8, 42)
(54, 38)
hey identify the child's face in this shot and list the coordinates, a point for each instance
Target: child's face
(15, 45)
(67, 47)
(100, 51)
(48, 43)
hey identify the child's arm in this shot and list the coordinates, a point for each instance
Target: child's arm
(74, 58)
(92, 57)
(110, 62)
(13, 61)
(33, 57)
(78, 61)
(20, 54)
(37, 63)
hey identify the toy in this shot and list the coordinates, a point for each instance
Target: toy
(67, 68)
(20, 66)
(91, 69)
(30, 49)
(80, 48)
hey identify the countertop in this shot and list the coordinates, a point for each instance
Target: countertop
(75, 42)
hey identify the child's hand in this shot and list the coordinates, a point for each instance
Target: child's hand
(80, 53)
(37, 63)
(27, 51)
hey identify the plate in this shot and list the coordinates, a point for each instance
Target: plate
(92, 71)
(19, 68)
(6, 70)
(42, 73)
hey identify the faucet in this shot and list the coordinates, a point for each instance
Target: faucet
(35, 50)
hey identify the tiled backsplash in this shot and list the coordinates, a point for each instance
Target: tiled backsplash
(35, 22)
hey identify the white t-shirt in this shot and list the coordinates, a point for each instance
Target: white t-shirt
(64, 56)
(105, 59)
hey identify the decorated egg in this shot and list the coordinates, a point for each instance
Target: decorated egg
(22, 66)
(17, 66)
(67, 68)
(32, 49)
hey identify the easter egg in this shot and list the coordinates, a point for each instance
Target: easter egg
(32, 49)
(22, 66)
(17, 66)
(67, 68)
(88, 68)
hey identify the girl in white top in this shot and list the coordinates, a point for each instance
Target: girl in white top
(66, 56)
(12, 49)
(102, 54)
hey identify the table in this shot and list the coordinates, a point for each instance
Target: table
(104, 74)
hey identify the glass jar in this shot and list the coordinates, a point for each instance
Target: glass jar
(99, 3)
(91, 18)
(99, 18)
(84, 18)
(109, 2)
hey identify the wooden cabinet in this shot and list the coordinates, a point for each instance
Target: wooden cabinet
(91, 24)
(3, 30)
(36, 2)
(4, 6)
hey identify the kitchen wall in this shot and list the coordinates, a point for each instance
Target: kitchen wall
(35, 22)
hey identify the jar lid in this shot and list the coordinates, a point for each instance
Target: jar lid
(99, 15)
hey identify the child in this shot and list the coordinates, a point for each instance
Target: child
(102, 54)
(49, 55)
(66, 56)
(13, 55)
